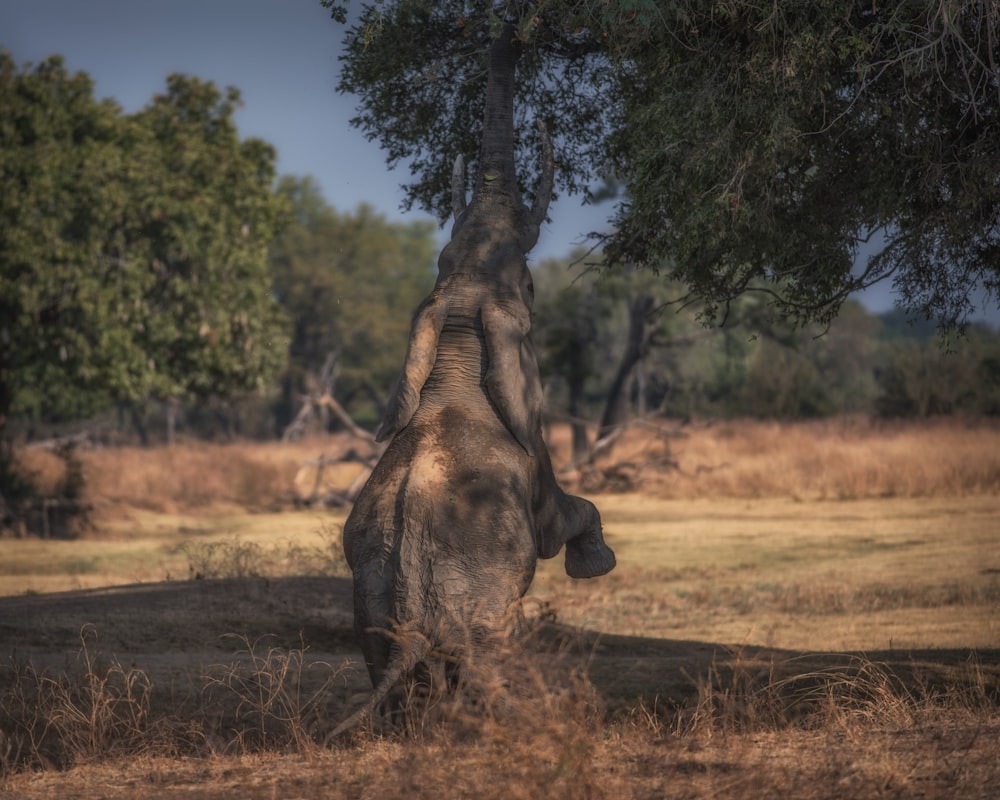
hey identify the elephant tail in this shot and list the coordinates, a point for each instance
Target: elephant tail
(403, 661)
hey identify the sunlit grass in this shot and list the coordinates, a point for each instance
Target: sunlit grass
(823, 575)
(148, 547)
(812, 576)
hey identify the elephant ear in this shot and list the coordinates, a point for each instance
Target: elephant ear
(512, 382)
(420, 355)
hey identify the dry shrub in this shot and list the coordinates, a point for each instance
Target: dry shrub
(196, 475)
(44, 467)
(753, 728)
(97, 709)
(271, 698)
(747, 695)
(188, 476)
(238, 558)
(523, 724)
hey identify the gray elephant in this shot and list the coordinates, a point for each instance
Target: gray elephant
(444, 538)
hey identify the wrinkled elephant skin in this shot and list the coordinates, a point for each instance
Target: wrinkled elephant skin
(444, 538)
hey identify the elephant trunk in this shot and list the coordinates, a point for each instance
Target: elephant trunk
(496, 190)
(496, 201)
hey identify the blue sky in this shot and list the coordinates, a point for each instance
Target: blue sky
(282, 55)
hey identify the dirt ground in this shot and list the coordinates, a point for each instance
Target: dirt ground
(180, 632)
(697, 714)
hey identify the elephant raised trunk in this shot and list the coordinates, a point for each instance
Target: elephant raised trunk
(444, 538)
(496, 196)
(526, 222)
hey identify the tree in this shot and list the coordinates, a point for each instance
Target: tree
(68, 320)
(568, 330)
(596, 332)
(760, 145)
(349, 283)
(793, 133)
(420, 72)
(133, 260)
(202, 214)
(919, 379)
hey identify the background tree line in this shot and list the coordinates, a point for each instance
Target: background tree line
(155, 272)
(755, 365)
(153, 265)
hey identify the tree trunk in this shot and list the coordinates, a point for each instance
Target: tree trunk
(639, 332)
(6, 400)
(170, 410)
(131, 419)
(639, 389)
(577, 424)
(496, 183)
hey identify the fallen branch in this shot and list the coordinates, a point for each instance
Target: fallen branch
(328, 400)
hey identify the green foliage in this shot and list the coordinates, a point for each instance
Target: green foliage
(571, 323)
(61, 194)
(581, 328)
(757, 364)
(350, 284)
(419, 70)
(205, 213)
(919, 379)
(766, 140)
(760, 145)
(134, 247)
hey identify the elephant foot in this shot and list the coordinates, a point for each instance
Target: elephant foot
(588, 558)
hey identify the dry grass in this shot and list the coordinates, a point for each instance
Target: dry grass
(192, 476)
(97, 709)
(777, 626)
(822, 575)
(144, 547)
(529, 727)
(849, 458)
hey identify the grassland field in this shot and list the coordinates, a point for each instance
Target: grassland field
(808, 610)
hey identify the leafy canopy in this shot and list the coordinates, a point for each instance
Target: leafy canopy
(133, 254)
(755, 141)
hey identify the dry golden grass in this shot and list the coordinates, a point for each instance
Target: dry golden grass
(855, 730)
(145, 546)
(807, 611)
(822, 575)
(848, 458)
(194, 476)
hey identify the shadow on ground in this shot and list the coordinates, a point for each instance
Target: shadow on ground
(175, 630)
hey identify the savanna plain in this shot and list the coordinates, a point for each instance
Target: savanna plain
(806, 610)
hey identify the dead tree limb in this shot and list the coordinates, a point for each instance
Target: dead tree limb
(327, 400)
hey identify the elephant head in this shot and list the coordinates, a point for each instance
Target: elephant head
(483, 272)
(444, 538)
